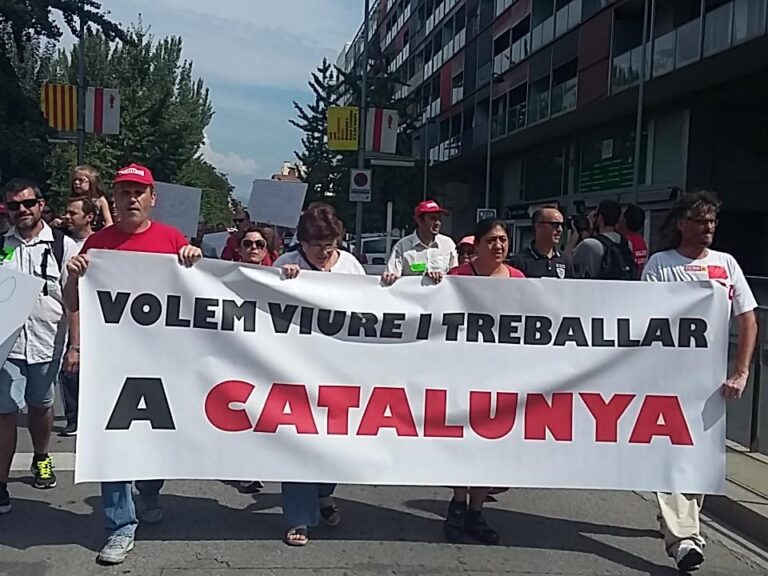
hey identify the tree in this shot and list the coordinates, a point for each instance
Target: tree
(217, 204)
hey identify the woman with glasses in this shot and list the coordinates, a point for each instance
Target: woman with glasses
(87, 182)
(319, 233)
(465, 511)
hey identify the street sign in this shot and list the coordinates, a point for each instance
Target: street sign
(359, 185)
(343, 128)
(483, 213)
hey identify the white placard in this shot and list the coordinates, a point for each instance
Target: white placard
(277, 203)
(335, 378)
(18, 294)
(178, 206)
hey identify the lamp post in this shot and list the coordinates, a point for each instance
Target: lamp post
(495, 79)
(81, 88)
(363, 125)
(640, 104)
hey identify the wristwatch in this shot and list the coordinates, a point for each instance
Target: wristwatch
(75, 348)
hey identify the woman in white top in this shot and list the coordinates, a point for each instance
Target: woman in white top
(319, 231)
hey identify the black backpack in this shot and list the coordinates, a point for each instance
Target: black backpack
(56, 247)
(618, 262)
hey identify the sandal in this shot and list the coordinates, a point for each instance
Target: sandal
(298, 536)
(476, 527)
(455, 521)
(331, 515)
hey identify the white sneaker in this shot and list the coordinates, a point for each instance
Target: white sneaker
(116, 549)
(689, 556)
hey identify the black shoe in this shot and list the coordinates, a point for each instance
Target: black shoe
(454, 522)
(5, 500)
(69, 430)
(476, 527)
(42, 469)
(253, 487)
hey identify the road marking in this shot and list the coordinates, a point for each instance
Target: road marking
(64, 461)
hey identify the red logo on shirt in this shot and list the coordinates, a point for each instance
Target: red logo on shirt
(717, 273)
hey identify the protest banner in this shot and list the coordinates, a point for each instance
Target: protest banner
(178, 206)
(229, 371)
(18, 294)
(276, 202)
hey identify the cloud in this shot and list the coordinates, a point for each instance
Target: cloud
(230, 163)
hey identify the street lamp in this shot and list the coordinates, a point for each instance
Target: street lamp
(641, 101)
(495, 79)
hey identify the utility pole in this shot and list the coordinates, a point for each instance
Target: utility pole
(363, 125)
(640, 105)
(81, 88)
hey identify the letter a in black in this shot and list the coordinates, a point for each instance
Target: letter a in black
(128, 408)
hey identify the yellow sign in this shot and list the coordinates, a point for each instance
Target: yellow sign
(343, 128)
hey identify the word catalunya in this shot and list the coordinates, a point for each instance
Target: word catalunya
(351, 411)
(172, 311)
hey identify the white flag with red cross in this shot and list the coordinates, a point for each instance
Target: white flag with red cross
(102, 111)
(381, 131)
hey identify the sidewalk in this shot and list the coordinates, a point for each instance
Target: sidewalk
(745, 503)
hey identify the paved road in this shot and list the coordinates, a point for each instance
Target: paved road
(212, 529)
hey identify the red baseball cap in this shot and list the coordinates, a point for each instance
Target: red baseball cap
(135, 173)
(429, 207)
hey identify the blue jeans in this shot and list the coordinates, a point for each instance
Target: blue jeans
(119, 509)
(301, 502)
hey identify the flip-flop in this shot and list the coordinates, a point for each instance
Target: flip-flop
(331, 515)
(300, 531)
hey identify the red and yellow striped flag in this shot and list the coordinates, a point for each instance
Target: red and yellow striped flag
(59, 105)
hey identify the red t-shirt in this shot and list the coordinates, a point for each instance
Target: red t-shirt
(469, 270)
(639, 248)
(159, 238)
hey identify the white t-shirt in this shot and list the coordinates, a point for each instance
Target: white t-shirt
(671, 266)
(346, 264)
(411, 257)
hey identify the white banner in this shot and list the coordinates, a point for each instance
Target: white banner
(229, 371)
(178, 206)
(18, 294)
(276, 203)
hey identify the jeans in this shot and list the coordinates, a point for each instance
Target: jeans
(119, 509)
(301, 502)
(70, 386)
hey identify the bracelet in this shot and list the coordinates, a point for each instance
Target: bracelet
(75, 348)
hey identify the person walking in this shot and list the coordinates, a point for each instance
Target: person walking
(607, 255)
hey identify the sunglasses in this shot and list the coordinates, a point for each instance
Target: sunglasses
(555, 225)
(29, 203)
(248, 244)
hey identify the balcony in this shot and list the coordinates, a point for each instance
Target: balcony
(564, 97)
(457, 95)
(401, 20)
(502, 5)
(445, 150)
(499, 124)
(543, 34)
(567, 18)
(626, 68)
(516, 117)
(539, 107)
(520, 50)
(438, 15)
(501, 62)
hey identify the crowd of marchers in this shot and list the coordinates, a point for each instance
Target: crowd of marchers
(607, 244)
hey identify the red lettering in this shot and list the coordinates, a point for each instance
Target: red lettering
(394, 401)
(557, 417)
(661, 416)
(338, 400)
(217, 406)
(435, 415)
(606, 415)
(292, 397)
(482, 419)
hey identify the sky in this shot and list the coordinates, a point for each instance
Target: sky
(256, 57)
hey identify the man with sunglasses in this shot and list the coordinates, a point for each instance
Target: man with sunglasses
(27, 377)
(690, 228)
(542, 259)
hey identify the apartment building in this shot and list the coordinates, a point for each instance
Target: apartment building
(552, 85)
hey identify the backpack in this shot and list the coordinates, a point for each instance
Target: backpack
(56, 247)
(618, 262)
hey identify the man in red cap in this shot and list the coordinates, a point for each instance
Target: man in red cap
(426, 252)
(134, 194)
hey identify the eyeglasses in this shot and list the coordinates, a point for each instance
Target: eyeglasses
(325, 246)
(248, 244)
(556, 225)
(29, 203)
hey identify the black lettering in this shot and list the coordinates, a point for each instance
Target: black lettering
(625, 340)
(508, 328)
(392, 325)
(204, 313)
(330, 322)
(232, 311)
(128, 408)
(146, 309)
(364, 321)
(537, 331)
(478, 324)
(282, 317)
(658, 330)
(112, 308)
(425, 322)
(692, 330)
(305, 320)
(598, 334)
(173, 317)
(452, 323)
(571, 330)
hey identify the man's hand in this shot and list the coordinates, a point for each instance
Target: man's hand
(77, 265)
(388, 278)
(436, 277)
(290, 271)
(735, 385)
(189, 254)
(72, 361)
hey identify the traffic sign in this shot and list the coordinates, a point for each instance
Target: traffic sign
(483, 213)
(359, 185)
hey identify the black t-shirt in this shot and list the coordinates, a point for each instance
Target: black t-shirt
(535, 265)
